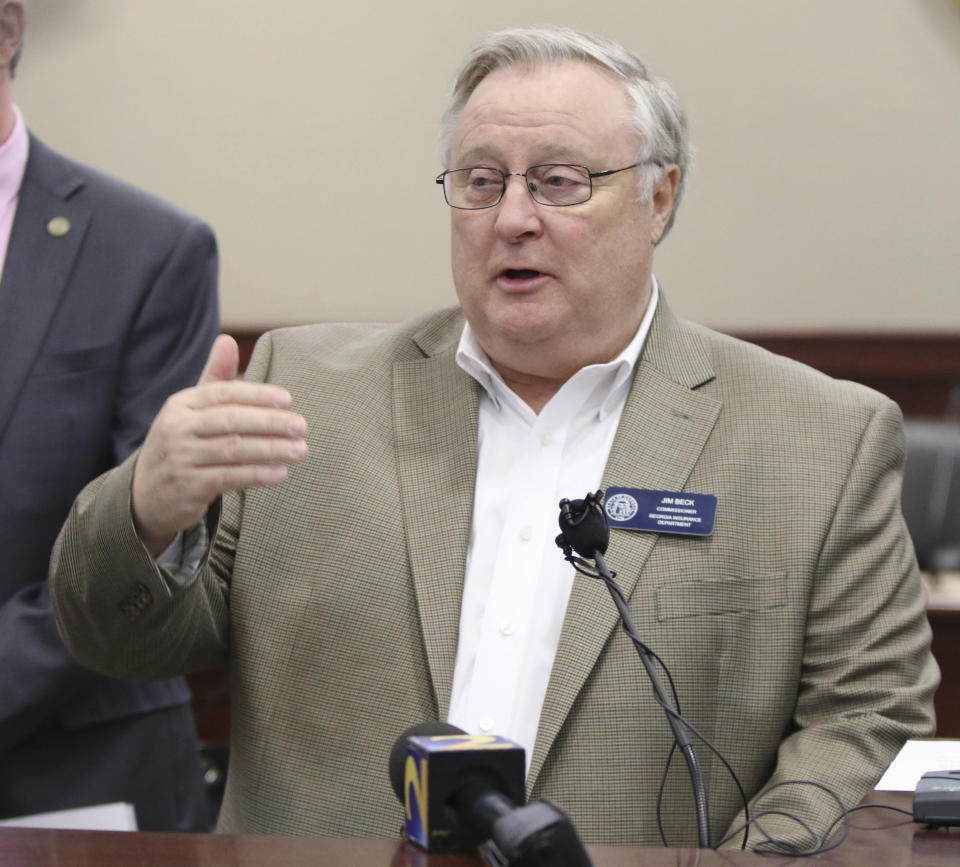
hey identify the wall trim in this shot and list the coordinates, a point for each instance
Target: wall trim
(919, 370)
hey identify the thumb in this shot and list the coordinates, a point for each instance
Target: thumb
(223, 363)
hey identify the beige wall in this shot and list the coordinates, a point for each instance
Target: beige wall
(826, 192)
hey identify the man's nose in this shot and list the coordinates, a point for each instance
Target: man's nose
(518, 213)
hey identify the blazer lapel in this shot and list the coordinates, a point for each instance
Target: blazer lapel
(435, 416)
(663, 430)
(37, 267)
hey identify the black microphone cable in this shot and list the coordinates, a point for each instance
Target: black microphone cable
(584, 529)
(820, 844)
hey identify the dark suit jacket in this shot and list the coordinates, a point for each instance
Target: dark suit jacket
(98, 324)
(795, 633)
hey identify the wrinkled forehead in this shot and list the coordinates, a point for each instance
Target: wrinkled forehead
(574, 104)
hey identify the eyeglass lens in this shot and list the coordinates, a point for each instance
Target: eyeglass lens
(482, 187)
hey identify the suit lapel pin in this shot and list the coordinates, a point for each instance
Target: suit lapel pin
(58, 226)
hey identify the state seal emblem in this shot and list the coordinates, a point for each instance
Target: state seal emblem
(621, 507)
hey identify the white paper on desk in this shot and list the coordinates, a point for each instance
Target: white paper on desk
(103, 817)
(915, 759)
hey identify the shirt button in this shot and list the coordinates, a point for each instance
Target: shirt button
(506, 628)
(486, 724)
(526, 534)
(546, 438)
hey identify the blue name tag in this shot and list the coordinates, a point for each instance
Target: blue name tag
(660, 511)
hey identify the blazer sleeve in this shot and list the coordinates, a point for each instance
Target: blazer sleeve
(116, 610)
(868, 677)
(164, 351)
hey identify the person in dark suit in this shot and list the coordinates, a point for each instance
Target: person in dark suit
(107, 305)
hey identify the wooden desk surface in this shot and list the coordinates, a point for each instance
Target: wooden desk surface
(878, 838)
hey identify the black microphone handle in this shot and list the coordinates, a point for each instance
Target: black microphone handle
(537, 835)
(479, 806)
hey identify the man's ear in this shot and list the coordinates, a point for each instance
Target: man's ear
(11, 32)
(664, 197)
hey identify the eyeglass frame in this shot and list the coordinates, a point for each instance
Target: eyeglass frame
(507, 175)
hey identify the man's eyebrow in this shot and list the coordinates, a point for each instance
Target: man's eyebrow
(552, 152)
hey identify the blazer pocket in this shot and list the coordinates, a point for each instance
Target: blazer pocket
(699, 598)
(74, 361)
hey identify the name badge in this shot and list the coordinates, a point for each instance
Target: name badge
(660, 511)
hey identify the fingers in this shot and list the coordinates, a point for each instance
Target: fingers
(217, 420)
(208, 483)
(230, 424)
(234, 449)
(224, 392)
(223, 363)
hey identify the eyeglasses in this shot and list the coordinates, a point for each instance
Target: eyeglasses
(558, 185)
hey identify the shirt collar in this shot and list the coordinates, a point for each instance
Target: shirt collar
(612, 376)
(13, 160)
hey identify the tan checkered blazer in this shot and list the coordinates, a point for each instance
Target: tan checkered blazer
(796, 633)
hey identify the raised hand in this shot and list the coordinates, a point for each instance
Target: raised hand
(221, 435)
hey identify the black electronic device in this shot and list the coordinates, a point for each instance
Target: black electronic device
(936, 800)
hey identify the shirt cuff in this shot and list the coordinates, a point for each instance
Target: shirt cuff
(180, 560)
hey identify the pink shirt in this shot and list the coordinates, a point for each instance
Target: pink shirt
(13, 163)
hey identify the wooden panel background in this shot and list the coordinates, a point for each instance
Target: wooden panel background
(921, 372)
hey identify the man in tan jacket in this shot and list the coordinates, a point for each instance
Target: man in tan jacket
(385, 554)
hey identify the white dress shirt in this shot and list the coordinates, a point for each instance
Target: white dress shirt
(517, 584)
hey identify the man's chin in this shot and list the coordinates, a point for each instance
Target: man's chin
(525, 326)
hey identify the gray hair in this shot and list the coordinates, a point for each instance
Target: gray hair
(658, 118)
